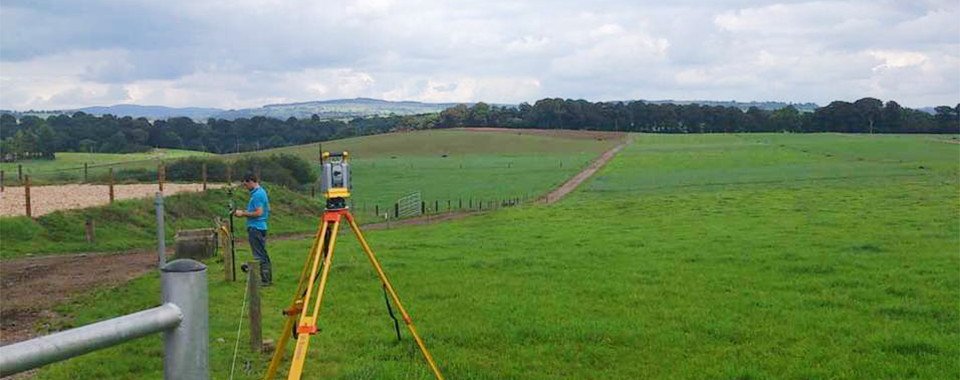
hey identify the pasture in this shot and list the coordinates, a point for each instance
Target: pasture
(688, 256)
(68, 166)
(479, 166)
(459, 165)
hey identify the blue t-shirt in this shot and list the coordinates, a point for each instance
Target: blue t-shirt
(258, 198)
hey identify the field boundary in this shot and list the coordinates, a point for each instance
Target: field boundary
(32, 286)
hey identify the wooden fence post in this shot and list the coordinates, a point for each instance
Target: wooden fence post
(436, 206)
(376, 209)
(423, 207)
(203, 170)
(111, 185)
(396, 210)
(253, 287)
(461, 203)
(160, 176)
(228, 267)
(2, 181)
(20, 173)
(85, 172)
(448, 205)
(90, 233)
(229, 174)
(26, 193)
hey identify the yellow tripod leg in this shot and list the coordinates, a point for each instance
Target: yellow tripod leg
(296, 305)
(393, 294)
(308, 323)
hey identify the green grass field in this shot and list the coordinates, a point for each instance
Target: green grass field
(68, 166)
(455, 165)
(131, 224)
(688, 256)
(480, 166)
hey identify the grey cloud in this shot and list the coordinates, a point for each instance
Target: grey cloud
(31, 29)
(225, 53)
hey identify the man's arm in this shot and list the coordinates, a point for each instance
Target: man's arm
(254, 214)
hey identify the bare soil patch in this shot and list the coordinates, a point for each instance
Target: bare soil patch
(30, 288)
(47, 199)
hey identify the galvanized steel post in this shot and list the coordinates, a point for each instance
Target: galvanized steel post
(161, 238)
(185, 348)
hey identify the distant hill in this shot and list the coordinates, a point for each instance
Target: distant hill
(337, 109)
(123, 110)
(341, 109)
(325, 109)
(150, 112)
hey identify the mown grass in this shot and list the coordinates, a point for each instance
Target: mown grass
(454, 166)
(130, 224)
(453, 143)
(68, 166)
(462, 178)
(786, 265)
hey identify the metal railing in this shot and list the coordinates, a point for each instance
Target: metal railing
(183, 319)
(409, 205)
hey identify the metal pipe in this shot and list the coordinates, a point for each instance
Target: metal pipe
(184, 283)
(183, 318)
(161, 238)
(19, 357)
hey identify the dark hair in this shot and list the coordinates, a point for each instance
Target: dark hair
(250, 177)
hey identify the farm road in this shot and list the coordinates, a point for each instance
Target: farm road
(31, 287)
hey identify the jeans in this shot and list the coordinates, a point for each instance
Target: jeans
(258, 244)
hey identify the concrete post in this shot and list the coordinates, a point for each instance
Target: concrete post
(185, 347)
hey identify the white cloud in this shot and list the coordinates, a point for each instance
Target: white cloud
(893, 58)
(247, 53)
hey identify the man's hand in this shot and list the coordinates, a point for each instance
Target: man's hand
(237, 212)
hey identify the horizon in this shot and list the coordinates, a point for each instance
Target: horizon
(57, 56)
(690, 101)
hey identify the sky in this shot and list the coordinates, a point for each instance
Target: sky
(240, 53)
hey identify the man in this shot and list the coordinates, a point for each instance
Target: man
(257, 212)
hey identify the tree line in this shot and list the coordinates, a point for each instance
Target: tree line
(80, 132)
(31, 136)
(867, 115)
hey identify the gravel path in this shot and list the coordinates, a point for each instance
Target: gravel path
(47, 199)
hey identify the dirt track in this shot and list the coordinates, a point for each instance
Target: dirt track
(31, 287)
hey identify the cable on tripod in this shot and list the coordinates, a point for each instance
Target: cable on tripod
(396, 324)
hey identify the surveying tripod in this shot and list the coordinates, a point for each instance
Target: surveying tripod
(301, 316)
